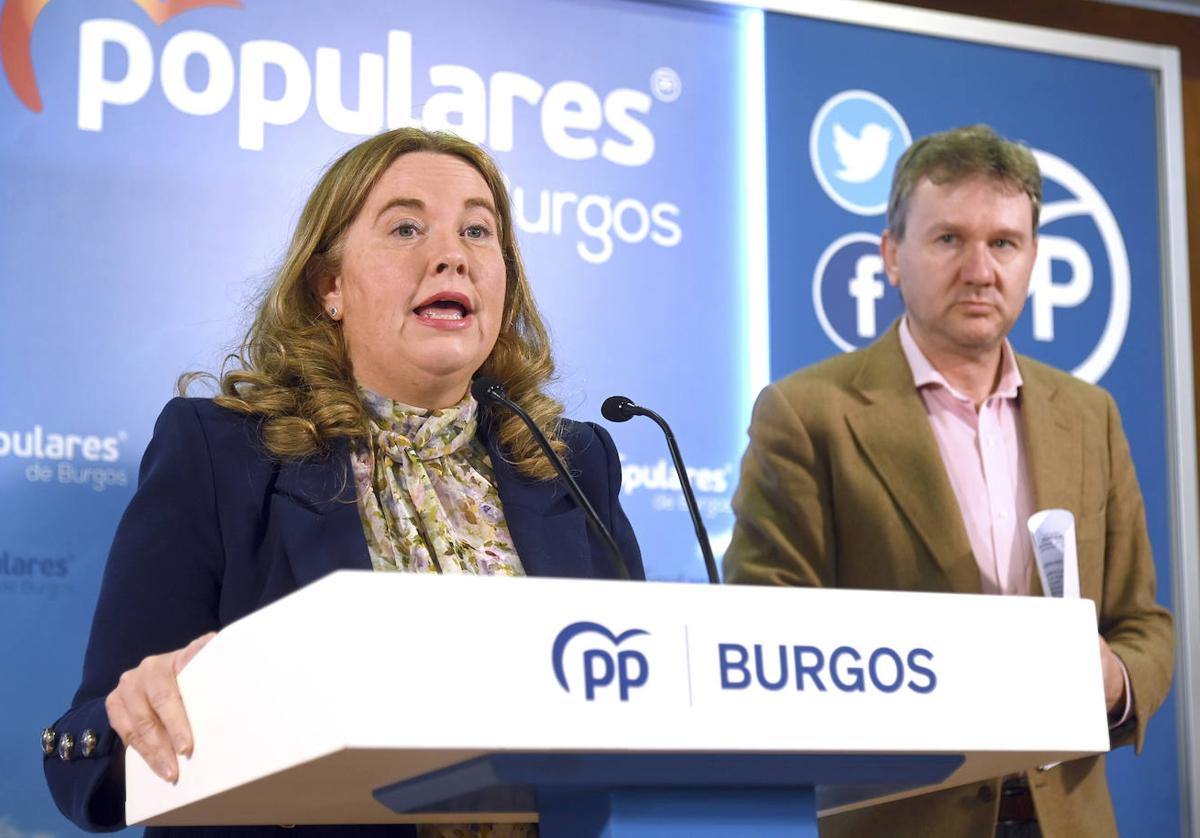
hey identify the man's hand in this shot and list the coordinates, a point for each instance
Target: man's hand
(1114, 678)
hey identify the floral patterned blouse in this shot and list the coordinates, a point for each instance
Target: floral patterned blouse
(428, 503)
(426, 492)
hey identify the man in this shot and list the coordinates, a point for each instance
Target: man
(915, 463)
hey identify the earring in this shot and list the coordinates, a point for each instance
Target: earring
(333, 312)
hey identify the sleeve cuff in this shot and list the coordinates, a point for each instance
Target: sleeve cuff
(1127, 711)
(88, 789)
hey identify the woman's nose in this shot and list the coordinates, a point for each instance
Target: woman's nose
(452, 264)
(450, 257)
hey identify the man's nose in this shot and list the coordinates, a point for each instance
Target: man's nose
(978, 266)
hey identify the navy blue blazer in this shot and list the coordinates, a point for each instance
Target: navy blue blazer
(218, 528)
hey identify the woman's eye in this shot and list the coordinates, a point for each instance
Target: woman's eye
(477, 231)
(406, 230)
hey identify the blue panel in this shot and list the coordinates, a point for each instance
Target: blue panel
(1099, 120)
(676, 813)
(494, 782)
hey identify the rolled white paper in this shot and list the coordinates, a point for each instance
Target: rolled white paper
(1053, 534)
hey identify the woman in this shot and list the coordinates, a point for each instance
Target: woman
(346, 437)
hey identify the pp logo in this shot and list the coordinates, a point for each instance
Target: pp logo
(627, 668)
(851, 295)
(855, 141)
(1067, 311)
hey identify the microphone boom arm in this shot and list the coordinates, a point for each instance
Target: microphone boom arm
(621, 409)
(496, 393)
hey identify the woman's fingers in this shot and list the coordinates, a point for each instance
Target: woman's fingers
(135, 718)
(146, 709)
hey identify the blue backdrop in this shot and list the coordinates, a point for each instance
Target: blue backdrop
(1093, 126)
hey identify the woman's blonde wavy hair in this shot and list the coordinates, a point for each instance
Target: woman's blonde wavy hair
(293, 369)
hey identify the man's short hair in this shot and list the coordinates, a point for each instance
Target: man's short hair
(955, 155)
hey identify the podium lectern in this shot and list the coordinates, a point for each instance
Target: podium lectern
(618, 708)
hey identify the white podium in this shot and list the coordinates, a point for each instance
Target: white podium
(484, 699)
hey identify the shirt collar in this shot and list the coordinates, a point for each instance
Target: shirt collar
(925, 374)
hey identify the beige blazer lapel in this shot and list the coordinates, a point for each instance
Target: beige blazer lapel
(893, 433)
(1053, 448)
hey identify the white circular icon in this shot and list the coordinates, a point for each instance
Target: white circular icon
(855, 141)
(665, 84)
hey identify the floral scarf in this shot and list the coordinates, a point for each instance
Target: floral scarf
(427, 493)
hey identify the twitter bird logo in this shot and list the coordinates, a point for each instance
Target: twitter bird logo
(862, 157)
(855, 141)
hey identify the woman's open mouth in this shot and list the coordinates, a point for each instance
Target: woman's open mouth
(445, 309)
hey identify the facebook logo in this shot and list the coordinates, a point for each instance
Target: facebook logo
(601, 664)
(851, 295)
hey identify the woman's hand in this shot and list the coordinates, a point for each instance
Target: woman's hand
(147, 712)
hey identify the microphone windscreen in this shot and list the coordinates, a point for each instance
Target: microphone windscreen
(485, 389)
(616, 409)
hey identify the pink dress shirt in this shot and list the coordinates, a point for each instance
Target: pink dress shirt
(984, 456)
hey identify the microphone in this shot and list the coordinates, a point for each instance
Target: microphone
(621, 409)
(487, 390)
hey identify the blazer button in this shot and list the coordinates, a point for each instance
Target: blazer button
(985, 794)
(87, 743)
(49, 740)
(66, 747)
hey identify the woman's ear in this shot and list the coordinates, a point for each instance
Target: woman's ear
(329, 289)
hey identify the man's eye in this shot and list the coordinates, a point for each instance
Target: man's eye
(1002, 243)
(947, 238)
(477, 232)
